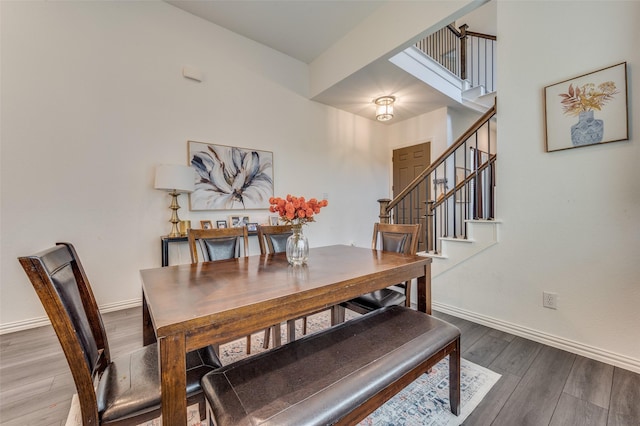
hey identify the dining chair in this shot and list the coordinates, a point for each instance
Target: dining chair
(399, 238)
(120, 391)
(218, 244)
(212, 245)
(273, 239)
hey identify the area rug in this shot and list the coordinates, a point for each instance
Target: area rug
(423, 402)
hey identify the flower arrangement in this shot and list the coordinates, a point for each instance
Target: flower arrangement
(587, 98)
(296, 210)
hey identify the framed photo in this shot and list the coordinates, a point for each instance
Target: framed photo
(587, 110)
(206, 224)
(221, 223)
(221, 170)
(238, 221)
(273, 220)
(252, 227)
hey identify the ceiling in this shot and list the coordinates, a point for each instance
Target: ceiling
(298, 28)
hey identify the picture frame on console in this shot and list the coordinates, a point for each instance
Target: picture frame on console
(238, 221)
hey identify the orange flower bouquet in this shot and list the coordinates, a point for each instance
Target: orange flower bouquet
(296, 210)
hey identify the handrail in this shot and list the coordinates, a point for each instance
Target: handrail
(462, 183)
(460, 52)
(432, 167)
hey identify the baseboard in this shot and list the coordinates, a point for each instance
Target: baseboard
(587, 351)
(42, 321)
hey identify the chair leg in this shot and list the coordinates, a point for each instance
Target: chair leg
(291, 330)
(248, 344)
(277, 340)
(337, 314)
(407, 294)
(267, 336)
(304, 326)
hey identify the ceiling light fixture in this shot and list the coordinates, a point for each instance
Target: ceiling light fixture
(384, 108)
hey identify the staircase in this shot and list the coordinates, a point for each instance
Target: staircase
(453, 198)
(481, 234)
(459, 63)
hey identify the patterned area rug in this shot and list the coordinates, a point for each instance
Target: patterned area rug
(424, 402)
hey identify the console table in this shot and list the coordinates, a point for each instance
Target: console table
(165, 247)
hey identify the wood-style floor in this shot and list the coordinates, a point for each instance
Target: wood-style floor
(540, 385)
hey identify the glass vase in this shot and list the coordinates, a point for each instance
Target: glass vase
(297, 247)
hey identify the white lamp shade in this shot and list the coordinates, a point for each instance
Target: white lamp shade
(173, 177)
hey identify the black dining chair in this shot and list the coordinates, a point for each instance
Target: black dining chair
(120, 391)
(399, 238)
(208, 245)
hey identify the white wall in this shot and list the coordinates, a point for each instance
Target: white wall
(93, 99)
(569, 218)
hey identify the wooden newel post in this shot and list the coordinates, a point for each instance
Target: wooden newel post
(384, 214)
(463, 52)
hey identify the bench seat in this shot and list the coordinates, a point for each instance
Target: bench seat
(336, 376)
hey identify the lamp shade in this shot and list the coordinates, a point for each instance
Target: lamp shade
(173, 177)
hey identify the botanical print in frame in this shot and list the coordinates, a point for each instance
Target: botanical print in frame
(230, 178)
(587, 110)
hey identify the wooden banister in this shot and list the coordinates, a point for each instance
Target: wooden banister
(459, 142)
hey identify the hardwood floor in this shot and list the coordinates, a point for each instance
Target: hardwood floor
(540, 385)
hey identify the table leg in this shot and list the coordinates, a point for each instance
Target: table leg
(148, 334)
(173, 377)
(424, 290)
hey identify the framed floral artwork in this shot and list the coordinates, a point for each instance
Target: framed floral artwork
(230, 178)
(587, 110)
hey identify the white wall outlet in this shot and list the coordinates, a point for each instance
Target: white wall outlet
(550, 300)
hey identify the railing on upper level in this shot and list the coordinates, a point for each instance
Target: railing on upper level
(455, 188)
(469, 55)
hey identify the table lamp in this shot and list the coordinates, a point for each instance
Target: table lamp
(177, 180)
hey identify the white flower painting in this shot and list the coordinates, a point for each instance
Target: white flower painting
(230, 178)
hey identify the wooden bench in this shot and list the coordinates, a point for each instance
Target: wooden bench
(337, 376)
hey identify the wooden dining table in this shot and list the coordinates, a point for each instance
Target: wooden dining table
(186, 307)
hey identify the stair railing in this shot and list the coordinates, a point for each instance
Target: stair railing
(458, 186)
(469, 55)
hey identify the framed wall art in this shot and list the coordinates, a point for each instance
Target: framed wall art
(221, 223)
(230, 178)
(587, 110)
(206, 224)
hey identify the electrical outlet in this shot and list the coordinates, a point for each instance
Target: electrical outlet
(550, 300)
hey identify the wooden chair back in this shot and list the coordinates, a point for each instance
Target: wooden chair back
(64, 290)
(273, 238)
(401, 238)
(218, 244)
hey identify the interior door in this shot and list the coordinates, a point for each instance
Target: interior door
(408, 163)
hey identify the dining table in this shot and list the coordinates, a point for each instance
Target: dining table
(189, 306)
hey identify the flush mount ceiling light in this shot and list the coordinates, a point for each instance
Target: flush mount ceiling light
(384, 107)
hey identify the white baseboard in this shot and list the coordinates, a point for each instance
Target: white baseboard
(587, 351)
(42, 321)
